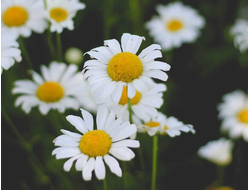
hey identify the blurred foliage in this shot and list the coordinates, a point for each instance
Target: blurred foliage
(201, 73)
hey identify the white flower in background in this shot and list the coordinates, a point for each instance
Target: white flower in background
(218, 151)
(60, 13)
(233, 112)
(60, 87)
(23, 16)
(240, 33)
(144, 105)
(176, 24)
(112, 68)
(9, 49)
(74, 55)
(164, 125)
(92, 147)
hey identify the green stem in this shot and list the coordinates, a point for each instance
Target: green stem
(154, 161)
(50, 44)
(219, 176)
(130, 110)
(59, 46)
(142, 160)
(105, 187)
(25, 52)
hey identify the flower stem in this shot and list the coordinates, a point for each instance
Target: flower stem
(130, 111)
(220, 176)
(154, 161)
(25, 52)
(105, 187)
(59, 46)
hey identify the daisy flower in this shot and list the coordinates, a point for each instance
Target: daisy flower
(9, 50)
(240, 33)
(112, 68)
(60, 87)
(23, 16)
(164, 125)
(176, 24)
(233, 112)
(218, 151)
(60, 13)
(144, 105)
(92, 146)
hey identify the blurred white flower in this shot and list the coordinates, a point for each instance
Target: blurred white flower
(240, 33)
(91, 147)
(74, 55)
(60, 87)
(233, 112)
(176, 24)
(164, 125)
(111, 68)
(9, 49)
(23, 16)
(60, 13)
(218, 151)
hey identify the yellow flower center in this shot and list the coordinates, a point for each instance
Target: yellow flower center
(224, 188)
(58, 14)
(174, 25)
(243, 116)
(95, 143)
(124, 98)
(152, 124)
(15, 16)
(165, 127)
(50, 92)
(125, 66)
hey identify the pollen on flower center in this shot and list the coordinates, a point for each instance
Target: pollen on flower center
(95, 143)
(125, 66)
(124, 98)
(15, 16)
(243, 116)
(152, 124)
(58, 14)
(50, 92)
(174, 25)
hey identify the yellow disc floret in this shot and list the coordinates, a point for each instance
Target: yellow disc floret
(152, 124)
(50, 92)
(58, 14)
(243, 116)
(174, 25)
(15, 16)
(125, 67)
(124, 98)
(95, 143)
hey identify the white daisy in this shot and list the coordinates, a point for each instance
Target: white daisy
(233, 112)
(176, 24)
(240, 33)
(144, 105)
(218, 151)
(113, 68)
(163, 125)
(60, 13)
(60, 87)
(23, 16)
(91, 147)
(9, 49)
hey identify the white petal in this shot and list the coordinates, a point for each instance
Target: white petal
(157, 74)
(121, 153)
(72, 134)
(80, 163)
(148, 50)
(68, 152)
(113, 165)
(101, 117)
(88, 168)
(113, 45)
(131, 90)
(78, 123)
(68, 164)
(88, 118)
(127, 143)
(124, 133)
(100, 170)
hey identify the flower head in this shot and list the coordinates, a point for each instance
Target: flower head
(218, 151)
(91, 147)
(233, 112)
(112, 68)
(59, 87)
(240, 33)
(176, 24)
(60, 13)
(74, 55)
(164, 125)
(23, 16)
(9, 50)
